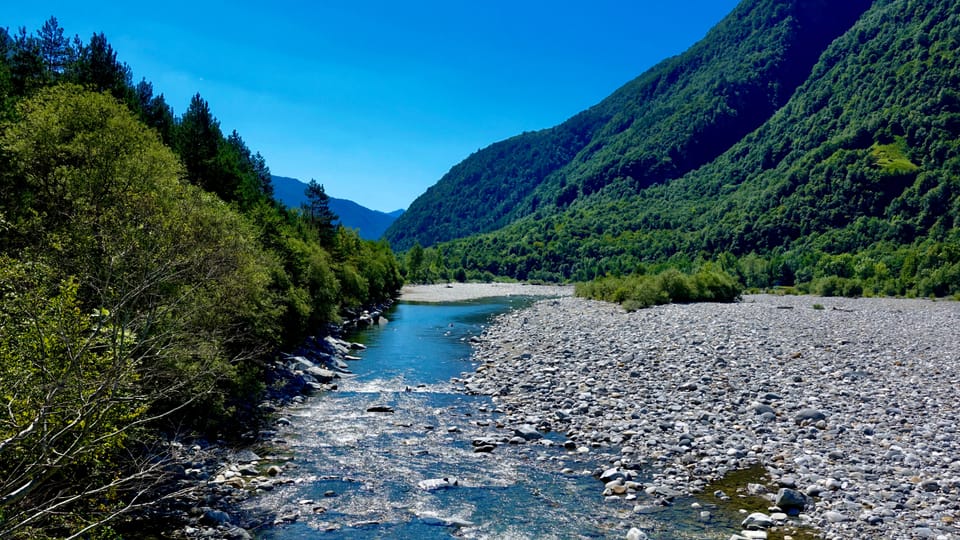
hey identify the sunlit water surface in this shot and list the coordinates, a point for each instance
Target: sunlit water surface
(358, 472)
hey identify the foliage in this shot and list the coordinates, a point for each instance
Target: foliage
(142, 291)
(639, 291)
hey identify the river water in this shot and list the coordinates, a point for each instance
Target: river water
(358, 473)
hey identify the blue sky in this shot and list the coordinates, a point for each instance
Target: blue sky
(375, 99)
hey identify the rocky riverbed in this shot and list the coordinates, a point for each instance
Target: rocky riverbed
(205, 484)
(850, 405)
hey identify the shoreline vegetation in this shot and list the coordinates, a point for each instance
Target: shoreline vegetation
(148, 279)
(846, 404)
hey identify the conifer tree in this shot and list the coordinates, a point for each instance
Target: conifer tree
(318, 212)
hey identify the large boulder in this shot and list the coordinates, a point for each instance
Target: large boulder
(790, 500)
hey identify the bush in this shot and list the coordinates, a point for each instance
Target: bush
(641, 291)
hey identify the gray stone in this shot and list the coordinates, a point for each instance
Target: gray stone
(930, 485)
(790, 499)
(214, 517)
(236, 533)
(835, 517)
(761, 408)
(528, 432)
(757, 520)
(809, 416)
(245, 456)
(322, 375)
(612, 474)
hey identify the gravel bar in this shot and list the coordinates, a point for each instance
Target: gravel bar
(850, 404)
(459, 292)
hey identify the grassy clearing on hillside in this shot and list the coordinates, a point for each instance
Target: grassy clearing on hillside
(892, 158)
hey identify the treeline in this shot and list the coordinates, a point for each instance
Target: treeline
(926, 268)
(146, 277)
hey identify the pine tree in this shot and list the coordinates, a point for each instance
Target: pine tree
(198, 139)
(98, 68)
(318, 212)
(55, 49)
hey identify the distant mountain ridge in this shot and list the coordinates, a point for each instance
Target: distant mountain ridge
(370, 223)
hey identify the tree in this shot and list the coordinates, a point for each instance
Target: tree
(198, 139)
(26, 64)
(157, 296)
(415, 258)
(318, 211)
(55, 49)
(262, 173)
(99, 69)
(155, 112)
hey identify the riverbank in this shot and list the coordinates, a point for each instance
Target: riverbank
(459, 292)
(850, 404)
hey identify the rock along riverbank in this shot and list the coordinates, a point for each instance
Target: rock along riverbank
(850, 405)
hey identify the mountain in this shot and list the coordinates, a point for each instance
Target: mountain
(370, 223)
(679, 115)
(845, 170)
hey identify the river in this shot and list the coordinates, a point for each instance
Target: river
(360, 474)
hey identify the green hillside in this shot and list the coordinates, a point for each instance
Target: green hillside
(851, 187)
(681, 114)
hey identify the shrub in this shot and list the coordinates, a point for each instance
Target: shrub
(641, 291)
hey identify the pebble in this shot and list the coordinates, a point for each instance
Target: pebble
(851, 407)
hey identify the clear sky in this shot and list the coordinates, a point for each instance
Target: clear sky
(378, 99)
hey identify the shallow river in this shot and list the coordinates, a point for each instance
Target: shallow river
(359, 473)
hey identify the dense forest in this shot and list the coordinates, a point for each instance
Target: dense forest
(147, 278)
(845, 184)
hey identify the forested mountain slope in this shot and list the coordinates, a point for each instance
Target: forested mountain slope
(679, 115)
(855, 179)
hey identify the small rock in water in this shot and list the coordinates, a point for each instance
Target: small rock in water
(757, 520)
(438, 483)
(528, 432)
(245, 456)
(380, 408)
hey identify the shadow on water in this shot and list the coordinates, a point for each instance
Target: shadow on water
(360, 474)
